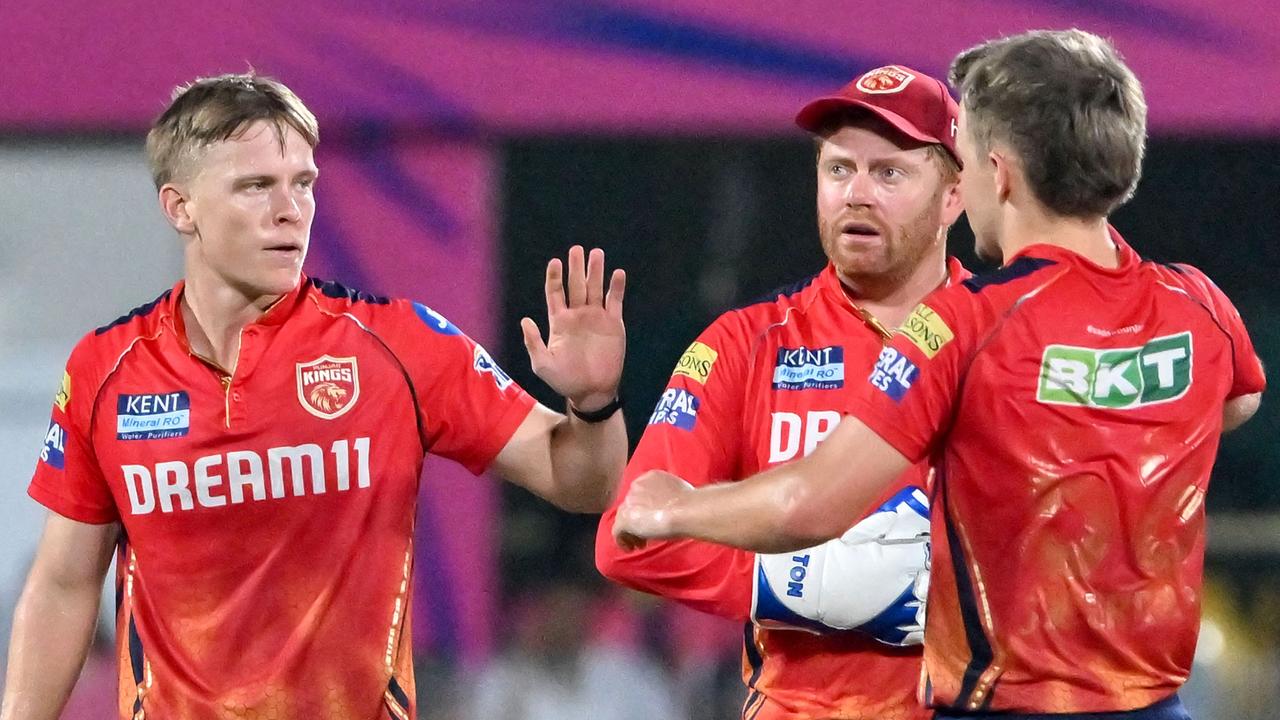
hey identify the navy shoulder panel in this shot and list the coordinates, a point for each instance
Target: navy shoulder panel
(1021, 267)
(784, 291)
(140, 311)
(328, 288)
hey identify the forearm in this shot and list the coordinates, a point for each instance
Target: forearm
(795, 505)
(587, 460)
(754, 514)
(52, 631)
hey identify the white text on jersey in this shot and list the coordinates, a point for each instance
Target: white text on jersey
(240, 475)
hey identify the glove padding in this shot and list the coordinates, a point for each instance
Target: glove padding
(873, 579)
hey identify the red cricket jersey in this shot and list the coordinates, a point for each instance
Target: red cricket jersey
(763, 385)
(1073, 413)
(267, 516)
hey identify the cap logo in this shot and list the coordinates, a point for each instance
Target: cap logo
(888, 79)
(328, 386)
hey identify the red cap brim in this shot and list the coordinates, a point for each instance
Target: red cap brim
(812, 116)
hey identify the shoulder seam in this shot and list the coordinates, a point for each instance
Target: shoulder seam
(102, 384)
(794, 288)
(140, 311)
(404, 371)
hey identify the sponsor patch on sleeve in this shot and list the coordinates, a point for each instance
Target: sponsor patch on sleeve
(485, 364)
(893, 374)
(64, 392)
(696, 362)
(926, 330)
(676, 407)
(435, 320)
(55, 446)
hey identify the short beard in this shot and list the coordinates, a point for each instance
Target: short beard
(872, 284)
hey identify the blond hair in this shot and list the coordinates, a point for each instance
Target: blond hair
(215, 109)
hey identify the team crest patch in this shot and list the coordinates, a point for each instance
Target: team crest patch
(885, 80)
(328, 386)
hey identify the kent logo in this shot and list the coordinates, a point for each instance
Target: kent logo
(153, 416)
(806, 368)
(1120, 378)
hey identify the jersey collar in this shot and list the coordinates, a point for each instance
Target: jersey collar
(829, 281)
(275, 315)
(1126, 255)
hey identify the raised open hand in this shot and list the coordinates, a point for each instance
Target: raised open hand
(586, 341)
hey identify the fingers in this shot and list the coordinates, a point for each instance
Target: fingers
(585, 280)
(533, 343)
(555, 286)
(617, 288)
(627, 541)
(595, 277)
(622, 533)
(577, 277)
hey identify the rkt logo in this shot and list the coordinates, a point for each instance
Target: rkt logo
(1121, 378)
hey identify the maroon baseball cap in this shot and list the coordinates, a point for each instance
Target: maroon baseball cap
(917, 105)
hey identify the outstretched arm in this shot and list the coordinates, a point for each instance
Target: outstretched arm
(789, 507)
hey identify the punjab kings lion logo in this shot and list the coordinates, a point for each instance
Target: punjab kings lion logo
(888, 79)
(327, 386)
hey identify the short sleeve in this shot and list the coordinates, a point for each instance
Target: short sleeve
(694, 432)
(908, 396)
(68, 479)
(696, 427)
(1248, 375)
(468, 406)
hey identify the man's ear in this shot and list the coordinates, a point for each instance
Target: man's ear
(175, 204)
(952, 203)
(1004, 172)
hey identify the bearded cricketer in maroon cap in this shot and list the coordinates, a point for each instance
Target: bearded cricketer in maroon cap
(832, 631)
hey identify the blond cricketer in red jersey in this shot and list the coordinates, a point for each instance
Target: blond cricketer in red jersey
(250, 445)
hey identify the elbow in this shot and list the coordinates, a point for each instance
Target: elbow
(610, 562)
(585, 501)
(1239, 410)
(805, 517)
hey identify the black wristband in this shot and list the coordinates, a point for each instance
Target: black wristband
(596, 416)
